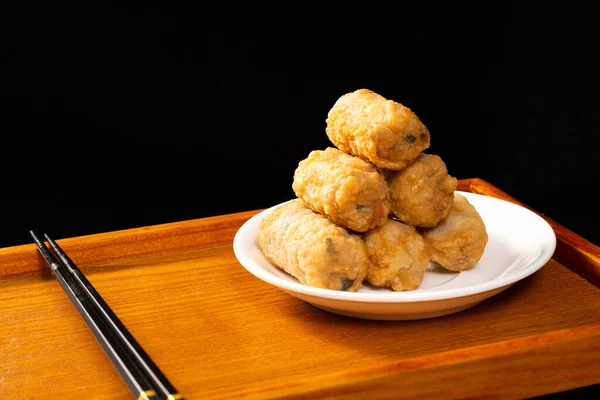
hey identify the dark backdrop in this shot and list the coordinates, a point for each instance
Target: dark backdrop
(116, 117)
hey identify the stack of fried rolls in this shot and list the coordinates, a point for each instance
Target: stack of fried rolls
(373, 208)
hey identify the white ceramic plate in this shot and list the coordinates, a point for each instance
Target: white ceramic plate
(520, 243)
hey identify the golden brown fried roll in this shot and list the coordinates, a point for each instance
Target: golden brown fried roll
(459, 240)
(422, 193)
(383, 132)
(399, 256)
(349, 191)
(313, 249)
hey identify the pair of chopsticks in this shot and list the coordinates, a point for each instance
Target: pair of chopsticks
(143, 378)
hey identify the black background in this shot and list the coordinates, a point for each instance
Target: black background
(115, 117)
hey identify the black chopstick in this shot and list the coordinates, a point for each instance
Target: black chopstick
(141, 375)
(163, 385)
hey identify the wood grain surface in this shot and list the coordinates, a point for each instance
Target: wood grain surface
(220, 333)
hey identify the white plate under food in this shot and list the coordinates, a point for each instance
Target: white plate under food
(520, 242)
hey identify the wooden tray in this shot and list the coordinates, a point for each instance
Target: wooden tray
(220, 333)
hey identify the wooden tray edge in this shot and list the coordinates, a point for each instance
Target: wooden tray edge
(572, 352)
(573, 251)
(134, 243)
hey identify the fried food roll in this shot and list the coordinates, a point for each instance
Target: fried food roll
(310, 247)
(422, 193)
(399, 256)
(459, 240)
(349, 191)
(383, 132)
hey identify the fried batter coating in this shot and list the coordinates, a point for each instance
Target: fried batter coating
(349, 191)
(422, 193)
(459, 240)
(383, 132)
(310, 247)
(399, 256)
